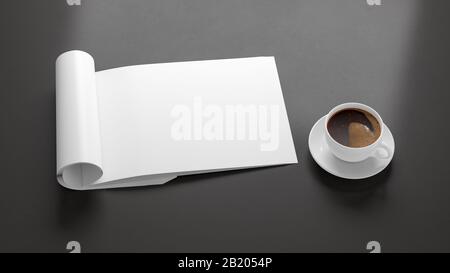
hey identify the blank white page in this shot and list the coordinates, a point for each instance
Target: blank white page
(190, 117)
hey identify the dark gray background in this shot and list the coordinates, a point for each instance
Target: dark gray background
(394, 57)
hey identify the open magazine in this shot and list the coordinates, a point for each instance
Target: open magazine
(147, 124)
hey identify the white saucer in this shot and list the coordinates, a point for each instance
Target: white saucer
(359, 170)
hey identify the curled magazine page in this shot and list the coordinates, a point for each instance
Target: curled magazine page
(79, 158)
(79, 147)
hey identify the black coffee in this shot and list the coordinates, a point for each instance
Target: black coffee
(354, 128)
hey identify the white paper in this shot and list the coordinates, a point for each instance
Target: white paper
(147, 124)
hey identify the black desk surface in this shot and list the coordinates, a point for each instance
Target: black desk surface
(394, 57)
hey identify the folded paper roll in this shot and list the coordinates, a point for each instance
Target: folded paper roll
(120, 127)
(79, 158)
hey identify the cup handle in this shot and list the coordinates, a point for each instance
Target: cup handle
(379, 151)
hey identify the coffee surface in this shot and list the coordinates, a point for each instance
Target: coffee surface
(354, 128)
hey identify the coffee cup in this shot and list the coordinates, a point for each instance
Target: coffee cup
(354, 132)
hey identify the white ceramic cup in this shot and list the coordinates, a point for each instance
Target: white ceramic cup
(378, 149)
